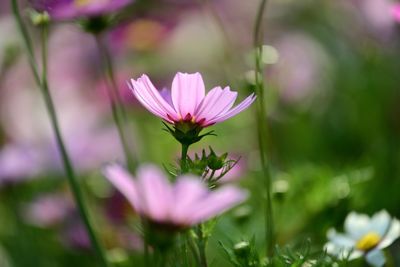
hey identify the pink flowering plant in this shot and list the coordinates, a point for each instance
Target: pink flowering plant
(74, 9)
(87, 180)
(187, 107)
(188, 202)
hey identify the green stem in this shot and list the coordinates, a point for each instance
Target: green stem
(262, 131)
(117, 107)
(43, 85)
(184, 167)
(146, 254)
(27, 40)
(201, 244)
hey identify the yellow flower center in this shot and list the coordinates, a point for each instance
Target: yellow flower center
(368, 241)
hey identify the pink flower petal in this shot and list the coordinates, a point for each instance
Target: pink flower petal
(187, 92)
(151, 98)
(188, 191)
(155, 191)
(239, 108)
(216, 203)
(221, 104)
(140, 93)
(396, 12)
(208, 102)
(125, 183)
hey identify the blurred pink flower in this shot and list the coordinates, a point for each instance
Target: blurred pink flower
(75, 236)
(187, 101)
(48, 210)
(186, 203)
(303, 68)
(30, 148)
(234, 174)
(377, 15)
(18, 163)
(72, 9)
(141, 35)
(396, 12)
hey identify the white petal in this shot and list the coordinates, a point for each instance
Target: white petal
(376, 258)
(380, 222)
(357, 225)
(340, 240)
(392, 234)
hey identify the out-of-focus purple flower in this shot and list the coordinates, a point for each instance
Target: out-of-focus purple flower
(186, 203)
(396, 12)
(234, 174)
(73, 9)
(48, 210)
(377, 15)
(18, 163)
(75, 236)
(188, 100)
(81, 113)
(141, 35)
(302, 69)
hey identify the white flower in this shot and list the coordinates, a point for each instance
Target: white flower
(364, 236)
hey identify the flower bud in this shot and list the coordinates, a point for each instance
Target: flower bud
(40, 18)
(242, 249)
(216, 162)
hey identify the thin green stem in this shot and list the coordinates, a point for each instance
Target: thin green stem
(193, 248)
(184, 167)
(262, 131)
(43, 85)
(117, 107)
(146, 254)
(27, 40)
(184, 249)
(201, 244)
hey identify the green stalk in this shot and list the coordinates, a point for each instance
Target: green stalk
(201, 244)
(43, 85)
(262, 131)
(184, 167)
(114, 96)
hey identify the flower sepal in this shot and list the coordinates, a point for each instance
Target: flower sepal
(211, 167)
(186, 133)
(95, 25)
(216, 162)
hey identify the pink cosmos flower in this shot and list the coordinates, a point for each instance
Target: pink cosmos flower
(396, 12)
(187, 101)
(186, 203)
(72, 9)
(48, 210)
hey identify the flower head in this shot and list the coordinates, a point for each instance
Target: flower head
(187, 102)
(181, 205)
(396, 12)
(364, 236)
(72, 9)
